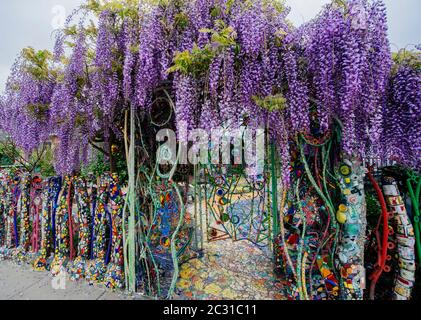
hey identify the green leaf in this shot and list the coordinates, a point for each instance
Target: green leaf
(194, 62)
(181, 20)
(38, 111)
(408, 58)
(70, 31)
(271, 103)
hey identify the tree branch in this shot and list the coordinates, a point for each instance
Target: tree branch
(98, 148)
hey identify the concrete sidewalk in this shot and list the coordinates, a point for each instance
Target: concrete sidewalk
(23, 283)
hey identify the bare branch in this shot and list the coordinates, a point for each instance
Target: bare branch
(98, 148)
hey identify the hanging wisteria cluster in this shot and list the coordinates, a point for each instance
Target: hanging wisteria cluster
(349, 63)
(25, 115)
(402, 137)
(225, 63)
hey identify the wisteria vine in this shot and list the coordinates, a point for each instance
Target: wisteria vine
(224, 62)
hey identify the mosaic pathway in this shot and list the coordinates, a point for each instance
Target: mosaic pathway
(229, 270)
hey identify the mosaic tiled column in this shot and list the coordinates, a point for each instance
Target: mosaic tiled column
(3, 208)
(14, 236)
(40, 263)
(7, 219)
(405, 240)
(92, 188)
(115, 272)
(25, 225)
(62, 243)
(352, 217)
(36, 212)
(78, 267)
(97, 267)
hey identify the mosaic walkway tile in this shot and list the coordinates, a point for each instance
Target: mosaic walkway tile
(228, 271)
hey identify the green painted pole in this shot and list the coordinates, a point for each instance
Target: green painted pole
(274, 181)
(416, 212)
(132, 208)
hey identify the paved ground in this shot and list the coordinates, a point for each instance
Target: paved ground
(229, 270)
(22, 283)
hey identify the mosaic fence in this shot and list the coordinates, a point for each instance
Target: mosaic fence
(339, 232)
(75, 224)
(332, 209)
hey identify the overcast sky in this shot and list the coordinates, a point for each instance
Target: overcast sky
(31, 23)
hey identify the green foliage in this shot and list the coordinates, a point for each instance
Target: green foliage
(40, 160)
(37, 63)
(341, 4)
(373, 206)
(196, 62)
(80, 119)
(121, 167)
(181, 20)
(98, 166)
(279, 5)
(8, 153)
(271, 103)
(408, 58)
(5, 160)
(216, 11)
(38, 110)
(91, 30)
(166, 3)
(70, 31)
(46, 163)
(122, 8)
(229, 5)
(222, 36)
(280, 35)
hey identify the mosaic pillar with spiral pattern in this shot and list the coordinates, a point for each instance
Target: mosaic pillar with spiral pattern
(352, 218)
(97, 268)
(24, 208)
(62, 243)
(115, 272)
(78, 268)
(405, 240)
